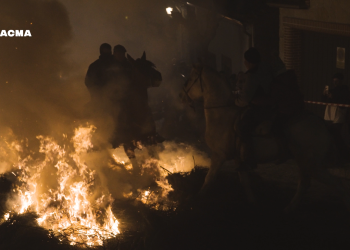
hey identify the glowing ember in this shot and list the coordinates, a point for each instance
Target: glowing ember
(145, 197)
(125, 162)
(169, 10)
(7, 216)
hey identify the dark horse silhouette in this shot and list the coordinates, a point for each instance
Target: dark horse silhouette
(140, 124)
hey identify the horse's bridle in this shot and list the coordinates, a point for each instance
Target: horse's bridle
(229, 104)
(188, 90)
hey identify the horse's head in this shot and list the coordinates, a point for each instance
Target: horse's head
(193, 88)
(145, 71)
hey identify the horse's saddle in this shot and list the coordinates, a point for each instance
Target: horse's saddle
(264, 126)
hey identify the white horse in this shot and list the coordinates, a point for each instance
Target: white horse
(308, 138)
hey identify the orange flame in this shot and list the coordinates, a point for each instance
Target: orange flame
(67, 209)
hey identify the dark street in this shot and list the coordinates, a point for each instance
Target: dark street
(173, 124)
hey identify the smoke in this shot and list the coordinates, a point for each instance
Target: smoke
(9, 149)
(35, 98)
(173, 158)
(136, 24)
(139, 26)
(42, 77)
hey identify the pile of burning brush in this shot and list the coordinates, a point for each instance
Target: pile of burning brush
(58, 194)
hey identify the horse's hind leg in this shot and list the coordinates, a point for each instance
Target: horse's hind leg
(322, 175)
(216, 163)
(303, 186)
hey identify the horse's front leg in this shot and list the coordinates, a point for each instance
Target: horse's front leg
(216, 163)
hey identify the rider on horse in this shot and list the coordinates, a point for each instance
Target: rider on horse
(253, 96)
(270, 92)
(133, 117)
(118, 87)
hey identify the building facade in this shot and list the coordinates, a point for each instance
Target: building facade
(311, 41)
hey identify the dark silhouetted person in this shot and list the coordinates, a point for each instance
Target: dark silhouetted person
(254, 96)
(285, 91)
(335, 115)
(288, 102)
(97, 75)
(107, 84)
(119, 55)
(121, 98)
(133, 117)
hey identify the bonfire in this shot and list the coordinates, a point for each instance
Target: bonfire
(76, 208)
